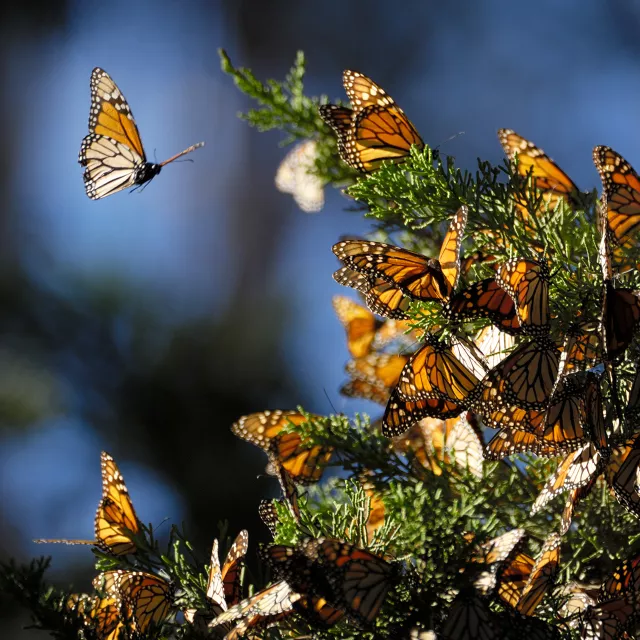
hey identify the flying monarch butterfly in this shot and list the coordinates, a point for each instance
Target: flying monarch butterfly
(304, 462)
(542, 576)
(547, 177)
(435, 442)
(485, 299)
(408, 273)
(527, 282)
(295, 176)
(112, 152)
(621, 189)
(374, 129)
(116, 523)
(145, 599)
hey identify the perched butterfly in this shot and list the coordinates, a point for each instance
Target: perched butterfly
(620, 319)
(547, 177)
(582, 348)
(374, 129)
(405, 272)
(116, 523)
(434, 383)
(493, 344)
(485, 299)
(542, 576)
(269, 515)
(621, 189)
(304, 462)
(295, 176)
(527, 282)
(103, 615)
(624, 482)
(260, 610)
(381, 297)
(359, 323)
(144, 599)
(469, 618)
(509, 441)
(435, 442)
(515, 393)
(112, 152)
(346, 576)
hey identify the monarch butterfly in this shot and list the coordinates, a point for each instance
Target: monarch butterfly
(288, 487)
(380, 369)
(295, 176)
(435, 372)
(145, 599)
(609, 620)
(581, 349)
(499, 549)
(527, 282)
(116, 523)
(632, 410)
(269, 515)
(408, 273)
(260, 610)
(576, 470)
(381, 297)
(624, 482)
(513, 576)
(112, 152)
(401, 414)
(103, 615)
(621, 189)
(620, 319)
(359, 323)
(547, 177)
(493, 344)
(435, 442)
(358, 580)
(625, 578)
(376, 129)
(304, 462)
(485, 299)
(542, 576)
(566, 416)
(469, 618)
(522, 382)
(575, 496)
(509, 441)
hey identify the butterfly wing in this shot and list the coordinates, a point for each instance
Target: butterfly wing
(359, 323)
(449, 257)
(485, 299)
(304, 462)
(295, 176)
(112, 152)
(621, 187)
(547, 174)
(116, 521)
(379, 129)
(232, 568)
(527, 282)
(542, 576)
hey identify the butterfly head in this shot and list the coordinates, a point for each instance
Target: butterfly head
(146, 172)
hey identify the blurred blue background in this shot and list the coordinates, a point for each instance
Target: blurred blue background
(146, 323)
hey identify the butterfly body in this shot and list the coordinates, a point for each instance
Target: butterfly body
(112, 153)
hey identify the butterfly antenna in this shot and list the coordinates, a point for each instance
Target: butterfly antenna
(455, 135)
(193, 147)
(329, 399)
